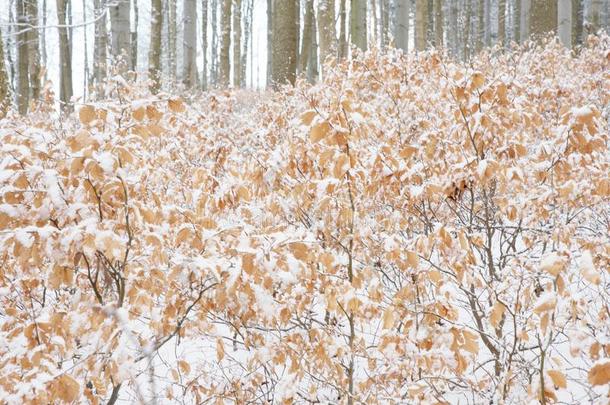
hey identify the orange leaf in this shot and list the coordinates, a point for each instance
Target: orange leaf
(559, 380)
(600, 373)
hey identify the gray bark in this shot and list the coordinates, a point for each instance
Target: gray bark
(564, 18)
(401, 24)
(189, 72)
(358, 31)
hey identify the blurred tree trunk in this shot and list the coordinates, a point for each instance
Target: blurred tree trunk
(401, 24)
(154, 52)
(23, 85)
(577, 22)
(33, 49)
(65, 56)
(452, 35)
(214, 51)
(308, 35)
(543, 17)
(564, 18)
(269, 41)
(502, 22)
(421, 24)
(285, 44)
(189, 43)
(236, 43)
(525, 18)
(224, 72)
(247, 38)
(312, 65)
(342, 48)
(358, 31)
(100, 45)
(326, 29)
(121, 33)
(438, 23)
(517, 22)
(204, 43)
(467, 30)
(480, 25)
(134, 37)
(172, 39)
(5, 93)
(594, 16)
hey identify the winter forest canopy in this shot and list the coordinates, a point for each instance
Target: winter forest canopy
(315, 201)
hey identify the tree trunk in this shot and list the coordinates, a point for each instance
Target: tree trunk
(284, 42)
(421, 24)
(564, 18)
(308, 34)
(594, 16)
(452, 35)
(502, 22)
(247, 38)
(236, 43)
(342, 49)
(480, 25)
(121, 35)
(312, 65)
(487, 24)
(5, 93)
(33, 49)
(189, 67)
(357, 21)
(134, 37)
(467, 30)
(154, 52)
(173, 39)
(401, 24)
(577, 22)
(65, 56)
(225, 44)
(438, 23)
(23, 85)
(204, 43)
(543, 17)
(525, 18)
(100, 46)
(326, 29)
(517, 22)
(214, 50)
(269, 41)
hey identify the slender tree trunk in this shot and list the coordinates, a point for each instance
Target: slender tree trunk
(594, 16)
(173, 39)
(467, 30)
(236, 43)
(5, 88)
(204, 43)
(100, 45)
(453, 27)
(214, 51)
(577, 22)
(517, 24)
(86, 73)
(438, 23)
(120, 23)
(189, 67)
(33, 49)
(43, 39)
(65, 56)
(487, 24)
(421, 24)
(269, 41)
(284, 42)
(308, 35)
(154, 52)
(247, 38)
(480, 25)
(543, 17)
(358, 32)
(225, 44)
(342, 48)
(502, 22)
(525, 18)
(134, 37)
(326, 29)
(23, 85)
(565, 22)
(401, 24)
(312, 65)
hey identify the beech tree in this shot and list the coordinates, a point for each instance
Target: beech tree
(190, 73)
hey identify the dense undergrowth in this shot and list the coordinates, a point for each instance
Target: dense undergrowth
(412, 229)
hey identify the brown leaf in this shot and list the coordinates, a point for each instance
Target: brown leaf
(600, 373)
(319, 132)
(559, 380)
(87, 114)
